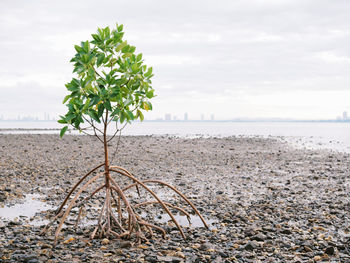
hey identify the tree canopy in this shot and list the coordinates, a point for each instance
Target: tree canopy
(112, 84)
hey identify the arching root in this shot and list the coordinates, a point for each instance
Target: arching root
(117, 216)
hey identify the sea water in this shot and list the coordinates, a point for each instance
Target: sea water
(327, 135)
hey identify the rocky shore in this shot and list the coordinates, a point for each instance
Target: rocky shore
(265, 201)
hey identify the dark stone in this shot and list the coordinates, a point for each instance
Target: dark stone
(258, 237)
(152, 259)
(205, 246)
(251, 245)
(286, 231)
(28, 258)
(329, 251)
(223, 254)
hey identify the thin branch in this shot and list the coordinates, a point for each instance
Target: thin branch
(92, 135)
(92, 124)
(116, 132)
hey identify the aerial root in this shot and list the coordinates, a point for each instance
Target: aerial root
(117, 216)
(71, 204)
(127, 174)
(75, 187)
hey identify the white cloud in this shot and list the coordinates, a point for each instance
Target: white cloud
(205, 53)
(330, 57)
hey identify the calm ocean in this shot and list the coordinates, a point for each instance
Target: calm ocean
(328, 135)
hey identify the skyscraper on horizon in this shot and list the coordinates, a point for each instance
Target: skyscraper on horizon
(167, 117)
(186, 116)
(345, 115)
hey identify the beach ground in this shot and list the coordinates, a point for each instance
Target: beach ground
(265, 201)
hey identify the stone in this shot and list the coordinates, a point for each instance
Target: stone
(205, 246)
(251, 245)
(105, 241)
(151, 259)
(329, 251)
(125, 244)
(170, 259)
(258, 237)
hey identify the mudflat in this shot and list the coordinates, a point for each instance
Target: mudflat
(264, 200)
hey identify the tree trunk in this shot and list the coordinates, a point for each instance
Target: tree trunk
(106, 152)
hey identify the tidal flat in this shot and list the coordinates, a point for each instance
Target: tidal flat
(265, 200)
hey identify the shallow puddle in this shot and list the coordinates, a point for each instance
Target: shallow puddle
(26, 209)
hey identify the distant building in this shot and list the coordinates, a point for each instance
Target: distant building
(185, 116)
(202, 117)
(345, 115)
(167, 117)
(212, 117)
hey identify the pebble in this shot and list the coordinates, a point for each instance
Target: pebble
(282, 204)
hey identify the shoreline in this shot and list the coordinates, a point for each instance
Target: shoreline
(272, 202)
(299, 142)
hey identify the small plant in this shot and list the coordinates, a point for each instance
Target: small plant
(112, 86)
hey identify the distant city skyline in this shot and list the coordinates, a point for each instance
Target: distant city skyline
(186, 117)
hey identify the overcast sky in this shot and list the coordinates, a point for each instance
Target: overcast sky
(249, 58)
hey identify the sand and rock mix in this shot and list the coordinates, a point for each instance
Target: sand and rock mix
(264, 200)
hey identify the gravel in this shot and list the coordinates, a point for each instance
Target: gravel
(265, 201)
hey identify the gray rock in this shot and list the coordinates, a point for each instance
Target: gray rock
(258, 237)
(152, 259)
(125, 244)
(251, 245)
(205, 246)
(170, 259)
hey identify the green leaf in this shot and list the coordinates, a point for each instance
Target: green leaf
(139, 57)
(93, 114)
(87, 104)
(63, 131)
(62, 121)
(149, 72)
(108, 106)
(121, 46)
(65, 99)
(140, 114)
(86, 46)
(100, 59)
(107, 32)
(130, 115)
(78, 49)
(147, 105)
(120, 28)
(127, 55)
(122, 117)
(96, 37)
(116, 111)
(125, 49)
(70, 117)
(100, 108)
(135, 68)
